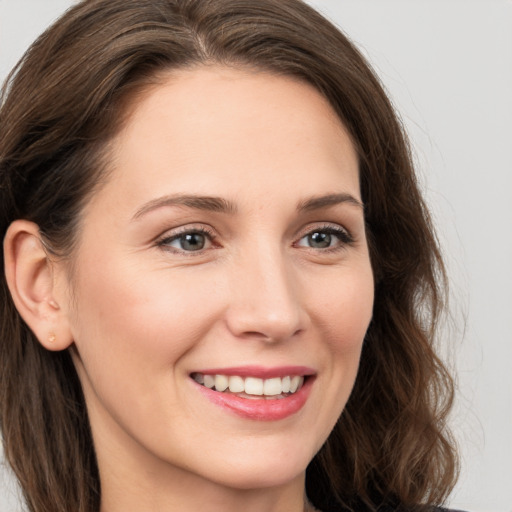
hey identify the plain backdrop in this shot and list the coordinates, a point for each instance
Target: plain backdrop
(447, 65)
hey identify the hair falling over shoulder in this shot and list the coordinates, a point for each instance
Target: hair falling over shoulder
(60, 107)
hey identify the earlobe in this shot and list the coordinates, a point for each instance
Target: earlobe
(30, 278)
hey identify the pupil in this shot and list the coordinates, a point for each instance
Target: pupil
(320, 240)
(193, 241)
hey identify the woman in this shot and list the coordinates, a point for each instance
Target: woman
(221, 283)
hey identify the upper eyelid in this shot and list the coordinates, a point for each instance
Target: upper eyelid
(211, 233)
(344, 236)
(168, 236)
(320, 226)
(183, 230)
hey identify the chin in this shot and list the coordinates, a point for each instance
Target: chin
(260, 478)
(262, 471)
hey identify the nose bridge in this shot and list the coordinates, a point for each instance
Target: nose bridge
(265, 302)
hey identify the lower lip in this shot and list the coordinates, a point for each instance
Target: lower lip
(260, 409)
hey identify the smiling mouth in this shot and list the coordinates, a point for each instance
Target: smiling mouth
(251, 387)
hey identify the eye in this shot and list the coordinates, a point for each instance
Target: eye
(328, 237)
(191, 240)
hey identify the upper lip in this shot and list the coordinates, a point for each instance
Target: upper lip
(261, 372)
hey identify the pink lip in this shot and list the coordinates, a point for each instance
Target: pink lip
(260, 409)
(260, 371)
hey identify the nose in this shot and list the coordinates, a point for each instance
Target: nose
(265, 299)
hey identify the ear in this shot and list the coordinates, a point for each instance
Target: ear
(31, 278)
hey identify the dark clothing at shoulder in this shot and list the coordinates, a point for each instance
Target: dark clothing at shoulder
(402, 509)
(388, 508)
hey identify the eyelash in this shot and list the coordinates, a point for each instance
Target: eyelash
(166, 240)
(344, 239)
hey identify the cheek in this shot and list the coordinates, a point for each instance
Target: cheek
(137, 319)
(344, 315)
(132, 329)
(344, 311)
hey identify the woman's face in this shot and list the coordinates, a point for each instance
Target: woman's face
(229, 241)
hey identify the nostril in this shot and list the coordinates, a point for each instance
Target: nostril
(271, 336)
(266, 317)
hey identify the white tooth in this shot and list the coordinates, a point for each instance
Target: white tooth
(286, 384)
(253, 386)
(209, 381)
(221, 382)
(198, 377)
(272, 386)
(236, 384)
(294, 383)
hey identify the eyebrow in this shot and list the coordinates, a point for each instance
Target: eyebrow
(207, 203)
(221, 205)
(317, 203)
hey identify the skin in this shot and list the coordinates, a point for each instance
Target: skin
(143, 312)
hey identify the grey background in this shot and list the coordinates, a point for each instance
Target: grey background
(448, 66)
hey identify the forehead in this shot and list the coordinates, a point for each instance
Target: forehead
(224, 131)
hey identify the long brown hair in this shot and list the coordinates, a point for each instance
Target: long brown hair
(62, 105)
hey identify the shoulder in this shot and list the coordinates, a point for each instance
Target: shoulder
(394, 509)
(440, 509)
(424, 508)
(386, 508)
(430, 509)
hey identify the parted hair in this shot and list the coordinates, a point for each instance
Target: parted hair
(60, 107)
